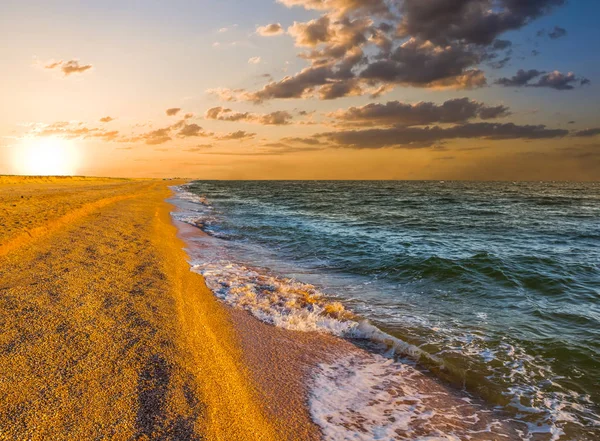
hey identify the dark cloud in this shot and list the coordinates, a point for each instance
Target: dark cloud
(309, 141)
(554, 80)
(360, 47)
(557, 32)
(472, 21)
(554, 34)
(278, 117)
(173, 111)
(395, 113)
(297, 86)
(559, 81)
(500, 64)
(413, 63)
(414, 137)
(587, 133)
(520, 79)
(427, 65)
(270, 30)
(69, 67)
(501, 45)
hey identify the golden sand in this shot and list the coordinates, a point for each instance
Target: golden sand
(106, 334)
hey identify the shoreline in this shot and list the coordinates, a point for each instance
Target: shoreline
(278, 361)
(286, 366)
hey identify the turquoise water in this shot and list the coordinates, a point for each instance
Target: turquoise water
(498, 281)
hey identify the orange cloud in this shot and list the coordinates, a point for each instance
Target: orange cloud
(68, 68)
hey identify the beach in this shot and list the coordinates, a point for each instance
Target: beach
(111, 332)
(106, 332)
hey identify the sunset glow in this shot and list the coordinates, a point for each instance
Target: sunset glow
(304, 89)
(47, 157)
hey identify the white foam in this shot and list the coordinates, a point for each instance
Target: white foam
(183, 193)
(293, 305)
(365, 398)
(281, 302)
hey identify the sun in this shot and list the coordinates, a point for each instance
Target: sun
(46, 157)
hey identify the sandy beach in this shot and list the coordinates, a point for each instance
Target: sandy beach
(106, 332)
(109, 335)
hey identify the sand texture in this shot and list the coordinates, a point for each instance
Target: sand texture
(106, 334)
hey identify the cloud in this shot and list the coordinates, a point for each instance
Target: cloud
(560, 81)
(311, 33)
(520, 79)
(278, 117)
(69, 67)
(165, 134)
(199, 148)
(156, 137)
(191, 130)
(309, 141)
(413, 63)
(254, 60)
(501, 44)
(587, 133)
(471, 21)
(72, 130)
(360, 47)
(270, 30)
(106, 119)
(239, 135)
(557, 32)
(225, 94)
(554, 34)
(395, 113)
(341, 7)
(173, 111)
(423, 64)
(227, 29)
(414, 137)
(553, 80)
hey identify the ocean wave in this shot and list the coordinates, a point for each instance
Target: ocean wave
(295, 305)
(532, 397)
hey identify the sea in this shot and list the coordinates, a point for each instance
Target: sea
(493, 288)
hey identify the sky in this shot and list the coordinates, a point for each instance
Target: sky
(301, 89)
